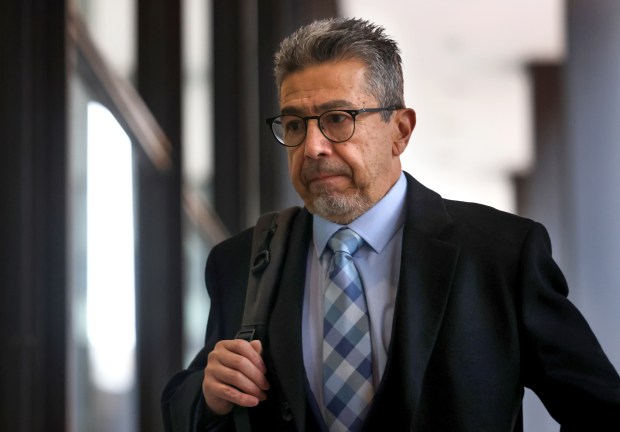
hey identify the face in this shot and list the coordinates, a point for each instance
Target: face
(341, 181)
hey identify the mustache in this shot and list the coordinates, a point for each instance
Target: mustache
(313, 169)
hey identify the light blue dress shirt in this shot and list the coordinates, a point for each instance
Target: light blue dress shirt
(377, 261)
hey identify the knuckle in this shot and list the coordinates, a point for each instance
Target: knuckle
(230, 393)
(237, 362)
(212, 355)
(234, 376)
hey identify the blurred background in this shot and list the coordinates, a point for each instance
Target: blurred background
(133, 141)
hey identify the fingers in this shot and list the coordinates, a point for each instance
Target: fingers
(258, 346)
(235, 374)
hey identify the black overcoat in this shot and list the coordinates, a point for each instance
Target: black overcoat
(481, 312)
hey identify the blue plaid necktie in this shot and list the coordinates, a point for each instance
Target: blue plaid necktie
(347, 367)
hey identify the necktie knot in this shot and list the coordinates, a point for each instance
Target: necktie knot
(345, 240)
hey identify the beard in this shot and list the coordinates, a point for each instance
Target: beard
(340, 207)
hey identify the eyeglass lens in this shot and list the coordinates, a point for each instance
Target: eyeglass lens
(336, 126)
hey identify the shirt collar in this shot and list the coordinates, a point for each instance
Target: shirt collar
(377, 226)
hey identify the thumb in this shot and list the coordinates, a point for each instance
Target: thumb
(257, 345)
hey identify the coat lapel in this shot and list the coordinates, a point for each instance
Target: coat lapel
(427, 269)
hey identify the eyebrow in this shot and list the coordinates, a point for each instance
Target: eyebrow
(330, 105)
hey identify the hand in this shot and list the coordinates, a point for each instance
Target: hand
(235, 374)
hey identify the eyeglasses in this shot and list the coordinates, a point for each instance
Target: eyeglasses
(336, 125)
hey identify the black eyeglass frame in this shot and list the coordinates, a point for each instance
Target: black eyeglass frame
(352, 112)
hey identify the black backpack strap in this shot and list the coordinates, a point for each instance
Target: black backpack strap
(269, 245)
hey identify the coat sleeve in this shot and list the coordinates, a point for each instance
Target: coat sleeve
(563, 363)
(183, 405)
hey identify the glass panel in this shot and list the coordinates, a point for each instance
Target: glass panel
(102, 301)
(103, 395)
(196, 302)
(197, 166)
(110, 296)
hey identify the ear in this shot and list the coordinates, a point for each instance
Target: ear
(405, 123)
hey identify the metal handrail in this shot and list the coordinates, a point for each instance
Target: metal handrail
(118, 94)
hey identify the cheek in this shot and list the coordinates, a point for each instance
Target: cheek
(374, 160)
(294, 164)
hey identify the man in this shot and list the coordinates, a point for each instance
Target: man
(456, 306)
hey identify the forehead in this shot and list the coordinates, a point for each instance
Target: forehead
(319, 85)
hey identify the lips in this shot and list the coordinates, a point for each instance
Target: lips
(323, 177)
(321, 172)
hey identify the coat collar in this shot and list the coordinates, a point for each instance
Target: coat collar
(427, 267)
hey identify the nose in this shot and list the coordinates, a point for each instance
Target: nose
(315, 143)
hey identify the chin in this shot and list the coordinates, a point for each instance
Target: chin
(339, 208)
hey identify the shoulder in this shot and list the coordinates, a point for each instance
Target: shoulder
(227, 264)
(231, 254)
(434, 215)
(488, 222)
(239, 246)
(492, 237)
(234, 244)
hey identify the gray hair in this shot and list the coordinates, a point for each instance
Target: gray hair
(338, 39)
